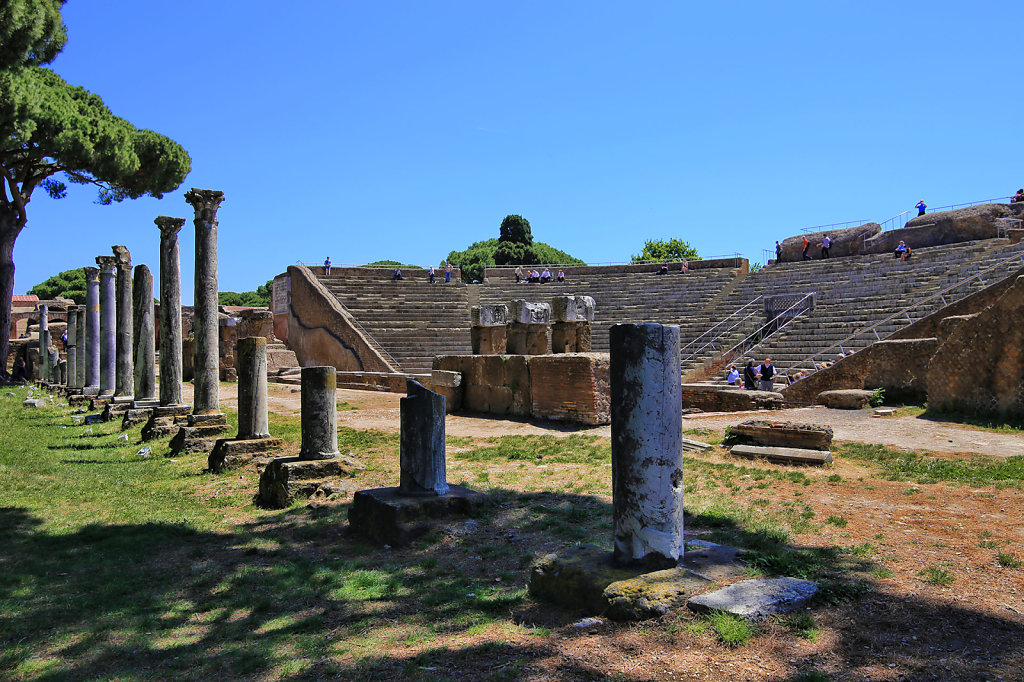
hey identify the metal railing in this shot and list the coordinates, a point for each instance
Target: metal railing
(900, 219)
(1004, 225)
(711, 343)
(792, 313)
(834, 226)
(905, 312)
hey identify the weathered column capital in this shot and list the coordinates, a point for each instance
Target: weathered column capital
(205, 202)
(123, 256)
(169, 226)
(107, 263)
(91, 274)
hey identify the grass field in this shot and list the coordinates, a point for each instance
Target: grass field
(117, 566)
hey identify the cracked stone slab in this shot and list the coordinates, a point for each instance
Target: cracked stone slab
(757, 599)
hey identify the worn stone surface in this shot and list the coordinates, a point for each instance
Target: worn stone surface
(651, 595)
(494, 384)
(846, 399)
(45, 372)
(712, 561)
(845, 242)
(144, 335)
(495, 315)
(448, 384)
(489, 340)
(783, 454)
(387, 516)
(718, 399)
(92, 328)
(572, 309)
(230, 453)
(527, 339)
(164, 421)
(196, 438)
(286, 479)
(72, 347)
(206, 325)
(422, 452)
(124, 345)
(170, 311)
(571, 387)
(782, 433)
(571, 337)
(253, 420)
(135, 416)
(522, 311)
(79, 311)
(756, 600)
(319, 413)
(647, 456)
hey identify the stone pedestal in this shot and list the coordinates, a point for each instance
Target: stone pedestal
(170, 311)
(423, 470)
(165, 421)
(488, 333)
(108, 324)
(200, 433)
(527, 339)
(647, 456)
(144, 356)
(92, 329)
(205, 322)
(571, 337)
(386, 516)
(123, 346)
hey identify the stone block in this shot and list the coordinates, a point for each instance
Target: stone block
(716, 399)
(527, 339)
(571, 387)
(32, 402)
(286, 479)
(135, 416)
(382, 515)
(572, 309)
(229, 453)
(571, 337)
(651, 595)
(845, 399)
(196, 438)
(489, 315)
(756, 600)
(448, 384)
(783, 455)
(783, 434)
(493, 384)
(527, 312)
(489, 340)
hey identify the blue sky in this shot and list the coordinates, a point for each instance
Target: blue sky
(404, 130)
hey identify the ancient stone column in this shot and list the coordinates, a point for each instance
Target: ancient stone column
(422, 442)
(144, 359)
(205, 321)
(124, 368)
(108, 324)
(170, 310)
(252, 389)
(80, 365)
(488, 332)
(72, 350)
(92, 328)
(45, 370)
(320, 413)
(647, 455)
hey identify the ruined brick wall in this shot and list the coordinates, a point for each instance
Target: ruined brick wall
(979, 368)
(896, 365)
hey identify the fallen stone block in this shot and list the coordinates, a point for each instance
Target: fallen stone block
(718, 399)
(712, 561)
(695, 445)
(230, 453)
(286, 479)
(883, 412)
(135, 416)
(756, 600)
(381, 514)
(783, 455)
(31, 402)
(845, 399)
(783, 434)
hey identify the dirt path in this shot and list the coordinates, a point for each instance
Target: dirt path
(380, 411)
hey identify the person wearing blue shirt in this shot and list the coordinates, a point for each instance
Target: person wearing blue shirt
(921, 206)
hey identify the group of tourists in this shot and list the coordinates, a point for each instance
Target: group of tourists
(760, 378)
(684, 267)
(536, 277)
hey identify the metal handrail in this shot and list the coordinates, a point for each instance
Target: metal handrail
(722, 322)
(937, 209)
(818, 228)
(905, 311)
(769, 323)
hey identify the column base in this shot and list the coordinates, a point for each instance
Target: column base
(196, 438)
(286, 479)
(232, 453)
(165, 421)
(381, 514)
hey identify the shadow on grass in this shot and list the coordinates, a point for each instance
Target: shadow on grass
(293, 596)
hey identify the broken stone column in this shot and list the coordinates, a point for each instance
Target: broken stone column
(397, 515)
(528, 328)
(72, 350)
(253, 439)
(144, 360)
(92, 331)
(315, 472)
(489, 331)
(571, 331)
(108, 324)
(647, 455)
(80, 365)
(422, 442)
(124, 370)
(45, 371)
(205, 321)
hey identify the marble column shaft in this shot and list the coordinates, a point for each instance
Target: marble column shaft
(108, 324)
(170, 311)
(44, 343)
(124, 369)
(421, 453)
(92, 328)
(206, 325)
(80, 367)
(253, 421)
(72, 349)
(319, 413)
(144, 355)
(647, 454)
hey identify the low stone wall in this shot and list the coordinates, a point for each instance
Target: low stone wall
(322, 332)
(898, 366)
(508, 271)
(570, 387)
(720, 399)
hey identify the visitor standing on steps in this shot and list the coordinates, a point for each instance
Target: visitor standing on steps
(767, 372)
(750, 376)
(327, 267)
(778, 251)
(825, 244)
(448, 272)
(921, 206)
(519, 274)
(734, 375)
(807, 245)
(430, 274)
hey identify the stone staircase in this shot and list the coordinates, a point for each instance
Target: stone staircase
(852, 293)
(411, 320)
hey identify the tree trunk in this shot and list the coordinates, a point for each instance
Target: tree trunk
(9, 229)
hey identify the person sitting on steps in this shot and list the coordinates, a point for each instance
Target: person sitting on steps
(685, 267)
(663, 270)
(561, 276)
(902, 251)
(545, 276)
(397, 275)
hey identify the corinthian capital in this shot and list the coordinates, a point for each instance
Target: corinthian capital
(106, 263)
(169, 226)
(205, 202)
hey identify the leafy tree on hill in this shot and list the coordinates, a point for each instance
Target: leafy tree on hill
(67, 284)
(658, 250)
(515, 245)
(49, 128)
(260, 297)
